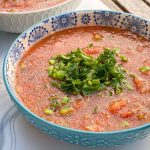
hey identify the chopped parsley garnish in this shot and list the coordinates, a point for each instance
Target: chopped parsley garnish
(78, 73)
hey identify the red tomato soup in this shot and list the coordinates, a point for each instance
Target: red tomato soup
(93, 105)
(23, 5)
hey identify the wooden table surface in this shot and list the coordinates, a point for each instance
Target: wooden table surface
(137, 7)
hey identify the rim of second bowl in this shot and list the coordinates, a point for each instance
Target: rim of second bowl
(38, 10)
(22, 106)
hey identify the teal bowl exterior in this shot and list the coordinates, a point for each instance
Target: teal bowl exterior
(57, 23)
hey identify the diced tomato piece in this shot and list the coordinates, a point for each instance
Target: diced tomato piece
(91, 51)
(140, 49)
(116, 106)
(146, 62)
(138, 83)
(78, 104)
(141, 85)
(127, 114)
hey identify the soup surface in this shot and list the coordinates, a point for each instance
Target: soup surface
(23, 5)
(99, 111)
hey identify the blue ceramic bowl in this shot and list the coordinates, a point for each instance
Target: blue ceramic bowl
(56, 23)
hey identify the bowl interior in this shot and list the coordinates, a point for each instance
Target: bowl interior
(64, 21)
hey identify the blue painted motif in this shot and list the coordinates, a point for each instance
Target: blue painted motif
(24, 35)
(85, 19)
(106, 18)
(135, 24)
(36, 34)
(64, 21)
(16, 51)
(46, 21)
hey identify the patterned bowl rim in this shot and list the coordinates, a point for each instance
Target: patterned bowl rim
(16, 100)
(36, 11)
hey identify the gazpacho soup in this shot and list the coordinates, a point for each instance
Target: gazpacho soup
(88, 78)
(23, 5)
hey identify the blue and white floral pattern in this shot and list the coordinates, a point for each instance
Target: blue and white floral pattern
(36, 34)
(85, 19)
(24, 35)
(46, 21)
(50, 25)
(16, 51)
(135, 24)
(64, 21)
(106, 18)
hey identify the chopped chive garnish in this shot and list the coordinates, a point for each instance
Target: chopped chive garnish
(65, 110)
(132, 75)
(59, 74)
(78, 73)
(129, 86)
(52, 61)
(48, 111)
(125, 124)
(124, 58)
(53, 98)
(65, 100)
(144, 69)
(55, 104)
(116, 50)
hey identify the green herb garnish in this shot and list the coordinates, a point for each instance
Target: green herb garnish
(65, 110)
(95, 111)
(53, 98)
(124, 58)
(78, 73)
(52, 61)
(48, 111)
(125, 124)
(65, 100)
(55, 104)
(144, 69)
